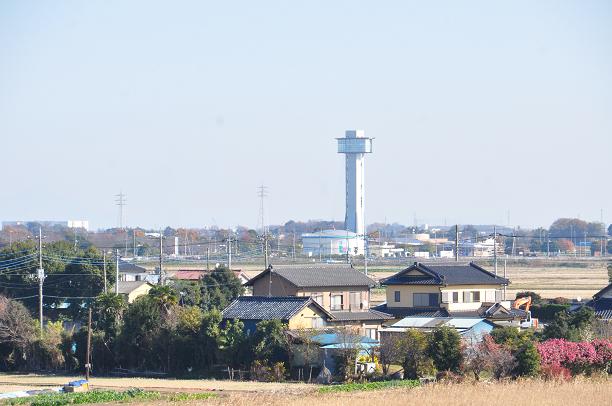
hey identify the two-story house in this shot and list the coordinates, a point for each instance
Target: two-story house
(339, 288)
(443, 290)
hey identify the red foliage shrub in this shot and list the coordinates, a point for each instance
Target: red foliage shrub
(581, 357)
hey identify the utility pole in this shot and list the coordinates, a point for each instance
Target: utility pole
(88, 355)
(161, 254)
(320, 245)
(134, 242)
(41, 278)
(293, 254)
(229, 252)
(495, 248)
(104, 267)
(265, 249)
(116, 271)
(505, 277)
(365, 253)
(547, 245)
(457, 243)
(207, 258)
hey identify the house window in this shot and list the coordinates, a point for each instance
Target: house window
(476, 296)
(425, 299)
(371, 332)
(317, 322)
(397, 295)
(336, 302)
(467, 297)
(355, 300)
(317, 297)
(455, 297)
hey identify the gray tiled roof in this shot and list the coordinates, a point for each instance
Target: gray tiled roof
(319, 275)
(602, 307)
(267, 308)
(370, 314)
(450, 274)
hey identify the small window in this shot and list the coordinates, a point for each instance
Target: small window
(355, 300)
(476, 296)
(371, 332)
(318, 297)
(317, 322)
(466, 297)
(455, 297)
(336, 302)
(397, 296)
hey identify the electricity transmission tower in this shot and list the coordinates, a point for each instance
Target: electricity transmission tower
(121, 201)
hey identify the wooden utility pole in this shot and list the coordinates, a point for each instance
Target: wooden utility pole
(88, 355)
(161, 253)
(495, 248)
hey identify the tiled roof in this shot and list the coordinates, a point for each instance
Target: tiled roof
(268, 308)
(319, 275)
(412, 311)
(602, 292)
(370, 314)
(449, 274)
(602, 307)
(128, 267)
(127, 287)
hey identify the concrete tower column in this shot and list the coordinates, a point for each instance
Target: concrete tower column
(355, 145)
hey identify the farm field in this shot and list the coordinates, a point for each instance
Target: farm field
(580, 391)
(581, 279)
(13, 382)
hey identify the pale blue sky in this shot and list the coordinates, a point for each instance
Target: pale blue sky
(478, 107)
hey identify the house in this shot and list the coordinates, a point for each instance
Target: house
(338, 288)
(130, 272)
(442, 290)
(296, 312)
(133, 289)
(197, 274)
(602, 303)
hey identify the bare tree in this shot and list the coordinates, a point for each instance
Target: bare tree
(16, 327)
(391, 350)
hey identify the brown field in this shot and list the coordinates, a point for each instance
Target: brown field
(511, 394)
(580, 391)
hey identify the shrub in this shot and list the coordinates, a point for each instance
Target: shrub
(528, 360)
(444, 348)
(556, 372)
(547, 311)
(578, 357)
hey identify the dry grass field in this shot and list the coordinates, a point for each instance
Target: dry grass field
(536, 392)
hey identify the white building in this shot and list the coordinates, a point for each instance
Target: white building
(332, 242)
(355, 145)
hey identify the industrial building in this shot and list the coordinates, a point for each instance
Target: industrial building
(332, 242)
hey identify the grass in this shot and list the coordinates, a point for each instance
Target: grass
(106, 396)
(514, 393)
(355, 387)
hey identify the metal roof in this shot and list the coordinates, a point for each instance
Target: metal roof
(318, 275)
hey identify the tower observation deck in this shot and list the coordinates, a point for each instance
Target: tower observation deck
(355, 145)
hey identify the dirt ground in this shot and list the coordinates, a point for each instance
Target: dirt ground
(11, 382)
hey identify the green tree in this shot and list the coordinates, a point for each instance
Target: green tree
(219, 288)
(269, 342)
(444, 348)
(234, 348)
(528, 360)
(415, 361)
(570, 326)
(108, 312)
(188, 293)
(211, 336)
